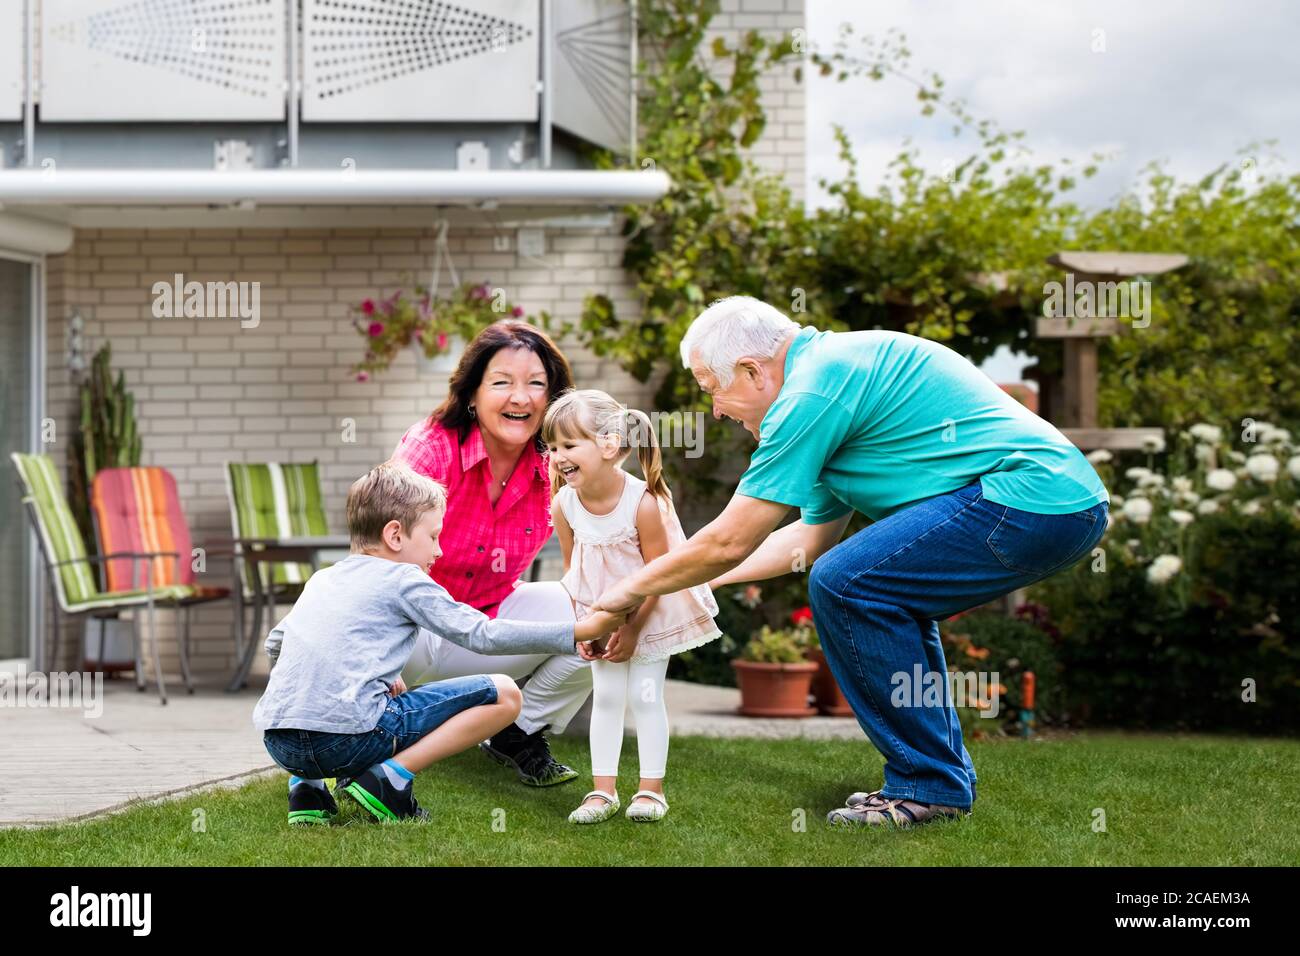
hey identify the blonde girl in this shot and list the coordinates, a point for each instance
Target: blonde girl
(610, 524)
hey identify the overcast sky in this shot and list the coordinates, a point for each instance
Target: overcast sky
(1189, 83)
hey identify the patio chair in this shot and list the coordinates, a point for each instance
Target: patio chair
(138, 510)
(76, 590)
(271, 500)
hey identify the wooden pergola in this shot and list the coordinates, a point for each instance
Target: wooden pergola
(1070, 401)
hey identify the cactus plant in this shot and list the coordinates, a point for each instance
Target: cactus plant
(107, 436)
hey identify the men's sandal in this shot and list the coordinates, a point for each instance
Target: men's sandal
(861, 797)
(647, 812)
(879, 811)
(586, 814)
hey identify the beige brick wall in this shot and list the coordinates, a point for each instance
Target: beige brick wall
(209, 391)
(782, 146)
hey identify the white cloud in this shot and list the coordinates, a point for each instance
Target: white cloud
(1187, 84)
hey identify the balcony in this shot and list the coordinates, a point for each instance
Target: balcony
(240, 110)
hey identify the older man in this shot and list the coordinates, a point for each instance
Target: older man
(971, 496)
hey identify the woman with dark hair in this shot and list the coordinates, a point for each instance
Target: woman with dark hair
(483, 445)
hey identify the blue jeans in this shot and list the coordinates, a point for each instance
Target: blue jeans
(315, 754)
(877, 600)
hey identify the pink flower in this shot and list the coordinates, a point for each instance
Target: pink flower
(376, 328)
(517, 311)
(368, 307)
(479, 292)
(442, 341)
(363, 376)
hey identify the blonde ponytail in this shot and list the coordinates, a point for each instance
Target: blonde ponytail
(649, 456)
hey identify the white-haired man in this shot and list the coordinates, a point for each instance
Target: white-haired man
(971, 496)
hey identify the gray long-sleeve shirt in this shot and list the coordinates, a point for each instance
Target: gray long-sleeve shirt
(353, 629)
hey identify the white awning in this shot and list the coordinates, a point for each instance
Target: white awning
(303, 187)
(33, 236)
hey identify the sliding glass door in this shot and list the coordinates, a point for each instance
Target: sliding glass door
(20, 382)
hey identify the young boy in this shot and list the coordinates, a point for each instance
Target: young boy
(335, 705)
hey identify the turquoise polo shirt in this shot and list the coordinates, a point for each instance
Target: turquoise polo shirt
(876, 421)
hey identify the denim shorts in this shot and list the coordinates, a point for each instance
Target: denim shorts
(315, 754)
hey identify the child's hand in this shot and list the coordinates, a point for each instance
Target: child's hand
(622, 645)
(592, 651)
(399, 687)
(597, 624)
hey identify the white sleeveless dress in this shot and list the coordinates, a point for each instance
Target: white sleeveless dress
(607, 549)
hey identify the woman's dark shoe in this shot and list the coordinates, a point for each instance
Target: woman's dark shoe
(529, 755)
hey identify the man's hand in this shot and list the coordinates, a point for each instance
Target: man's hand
(399, 687)
(618, 599)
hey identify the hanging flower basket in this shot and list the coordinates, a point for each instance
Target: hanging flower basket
(444, 362)
(436, 328)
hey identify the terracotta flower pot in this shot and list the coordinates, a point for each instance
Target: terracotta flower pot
(830, 699)
(774, 690)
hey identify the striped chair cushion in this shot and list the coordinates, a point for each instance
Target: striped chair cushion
(74, 583)
(270, 500)
(138, 509)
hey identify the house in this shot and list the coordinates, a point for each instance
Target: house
(311, 150)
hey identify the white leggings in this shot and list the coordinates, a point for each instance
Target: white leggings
(616, 686)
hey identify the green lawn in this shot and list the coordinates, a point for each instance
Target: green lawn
(1169, 800)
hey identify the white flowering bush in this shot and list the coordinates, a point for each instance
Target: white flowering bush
(1158, 516)
(1194, 587)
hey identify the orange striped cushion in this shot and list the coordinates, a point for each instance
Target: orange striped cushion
(137, 509)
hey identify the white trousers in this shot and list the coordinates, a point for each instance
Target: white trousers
(558, 684)
(618, 687)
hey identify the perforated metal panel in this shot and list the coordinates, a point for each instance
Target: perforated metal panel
(593, 70)
(163, 60)
(11, 59)
(368, 60)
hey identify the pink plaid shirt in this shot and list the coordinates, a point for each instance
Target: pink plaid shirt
(485, 549)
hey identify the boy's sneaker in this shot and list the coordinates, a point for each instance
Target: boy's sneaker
(310, 805)
(384, 801)
(529, 755)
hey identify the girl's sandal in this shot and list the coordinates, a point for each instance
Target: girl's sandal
(879, 811)
(647, 812)
(586, 814)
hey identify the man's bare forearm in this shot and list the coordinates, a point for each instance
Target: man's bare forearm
(716, 548)
(774, 557)
(698, 561)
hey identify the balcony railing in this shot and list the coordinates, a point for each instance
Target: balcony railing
(567, 63)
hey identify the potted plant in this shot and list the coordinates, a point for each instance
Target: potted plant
(107, 437)
(773, 675)
(437, 328)
(826, 691)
